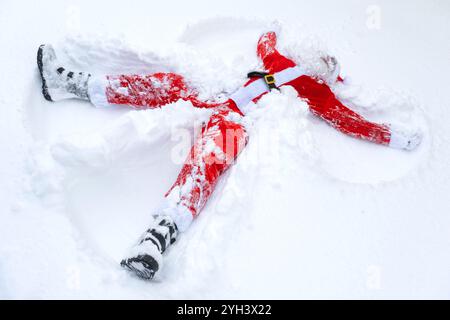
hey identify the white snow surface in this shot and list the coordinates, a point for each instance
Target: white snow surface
(306, 212)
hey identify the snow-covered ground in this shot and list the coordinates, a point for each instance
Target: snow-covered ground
(305, 213)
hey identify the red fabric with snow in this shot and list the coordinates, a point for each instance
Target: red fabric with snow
(218, 145)
(224, 136)
(321, 99)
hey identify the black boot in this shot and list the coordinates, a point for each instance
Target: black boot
(145, 259)
(58, 83)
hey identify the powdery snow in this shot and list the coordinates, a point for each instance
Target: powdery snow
(306, 212)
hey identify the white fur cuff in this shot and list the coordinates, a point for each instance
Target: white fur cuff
(97, 91)
(180, 214)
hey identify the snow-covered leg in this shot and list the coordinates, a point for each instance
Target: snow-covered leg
(221, 141)
(58, 83)
(143, 91)
(137, 91)
(145, 259)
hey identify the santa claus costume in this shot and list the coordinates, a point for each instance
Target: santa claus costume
(222, 138)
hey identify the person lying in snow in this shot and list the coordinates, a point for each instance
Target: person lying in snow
(222, 138)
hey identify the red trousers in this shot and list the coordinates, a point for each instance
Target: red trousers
(224, 136)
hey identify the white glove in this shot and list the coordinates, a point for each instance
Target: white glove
(332, 69)
(401, 139)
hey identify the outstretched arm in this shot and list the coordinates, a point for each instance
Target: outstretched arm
(323, 102)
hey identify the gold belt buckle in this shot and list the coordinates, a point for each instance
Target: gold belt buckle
(269, 79)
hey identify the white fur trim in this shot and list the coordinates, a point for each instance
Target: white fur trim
(180, 214)
(97, 91)
(245, 95)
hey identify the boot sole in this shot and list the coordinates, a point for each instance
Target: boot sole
(41, 72)
(144, 266)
